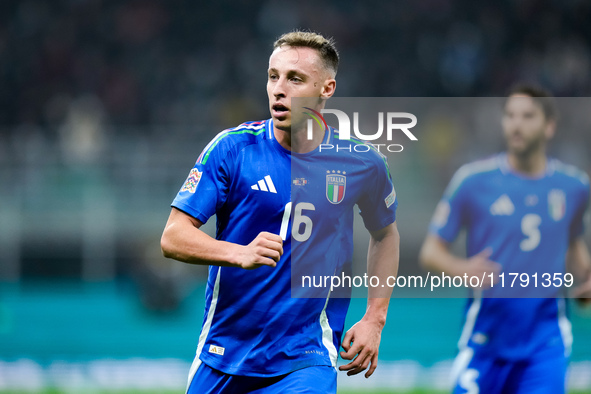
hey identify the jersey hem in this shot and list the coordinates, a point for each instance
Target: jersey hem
(241, 371)
(190, 211)
(442, 236)
(383, 223)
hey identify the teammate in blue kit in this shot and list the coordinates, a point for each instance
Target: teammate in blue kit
(523, 212)
(260, 179)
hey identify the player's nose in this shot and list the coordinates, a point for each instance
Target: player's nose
(279, 88)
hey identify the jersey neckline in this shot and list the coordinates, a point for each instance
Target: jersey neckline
(278, 146)
(506, 168)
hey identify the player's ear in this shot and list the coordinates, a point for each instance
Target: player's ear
(550, 129)
(328, 88)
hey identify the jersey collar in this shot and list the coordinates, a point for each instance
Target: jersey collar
(328, 136)
(506, 168)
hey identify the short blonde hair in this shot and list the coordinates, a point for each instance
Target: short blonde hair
(307, 39)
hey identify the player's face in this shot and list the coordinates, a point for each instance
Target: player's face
(296, 72)
(525, 126)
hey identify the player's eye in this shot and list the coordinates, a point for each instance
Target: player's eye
(272, 77)
(296, 79)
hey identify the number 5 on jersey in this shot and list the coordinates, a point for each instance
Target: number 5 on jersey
(302, 224)
(530, 227)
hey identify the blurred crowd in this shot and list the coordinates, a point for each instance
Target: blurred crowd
(200, 63)
(104, 105)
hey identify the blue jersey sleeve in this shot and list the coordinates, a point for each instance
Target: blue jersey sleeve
(449, 216)
(378, 204)
(577, 226)
(207, 185)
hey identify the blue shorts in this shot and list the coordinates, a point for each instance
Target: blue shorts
(544, 373)
(313, 380)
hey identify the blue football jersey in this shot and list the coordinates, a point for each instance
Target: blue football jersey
(528, 223)
(252, 324)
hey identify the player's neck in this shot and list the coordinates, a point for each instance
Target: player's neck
(298, 141)
(531, 165)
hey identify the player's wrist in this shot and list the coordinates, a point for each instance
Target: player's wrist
(378, 320)
(457, 267)
(377, 312)
(232, 254)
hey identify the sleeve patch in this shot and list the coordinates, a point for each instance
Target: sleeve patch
(389, 200)
(192, 181)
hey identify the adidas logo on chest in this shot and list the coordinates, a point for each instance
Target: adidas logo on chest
(265, 185)
(503, 206)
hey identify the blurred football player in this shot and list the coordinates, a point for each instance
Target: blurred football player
(523, 212)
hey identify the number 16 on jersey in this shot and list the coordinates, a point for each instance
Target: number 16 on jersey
(302, 224)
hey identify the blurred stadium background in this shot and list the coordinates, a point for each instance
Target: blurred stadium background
(104, 106)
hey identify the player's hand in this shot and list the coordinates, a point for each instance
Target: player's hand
(361, 344)
(582, 293)
(480, 264)
(265, 249)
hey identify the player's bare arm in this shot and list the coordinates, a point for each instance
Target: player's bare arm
(183, 240)
(579, 264)
(362, 341)
(436, 256)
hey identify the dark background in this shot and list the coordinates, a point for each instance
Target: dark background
(105, 105)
